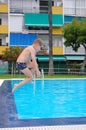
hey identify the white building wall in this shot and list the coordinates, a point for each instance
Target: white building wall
(16, 23)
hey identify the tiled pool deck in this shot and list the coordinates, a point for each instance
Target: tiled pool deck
(9, 118)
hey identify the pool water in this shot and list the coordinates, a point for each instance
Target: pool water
(51, 99)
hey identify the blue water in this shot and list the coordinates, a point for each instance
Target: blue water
(51, 99)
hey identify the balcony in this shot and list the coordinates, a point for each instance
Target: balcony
(39, 31)
(57, 10)
(24, 10)
(41, 20)
(3, 1)
(3, 29)
(2, 48)
(57, 30)
(58, 50)
(3, 8)
(75, 11)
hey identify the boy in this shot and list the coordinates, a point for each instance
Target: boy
(27, 63)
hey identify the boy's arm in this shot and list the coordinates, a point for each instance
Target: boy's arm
(34, 61)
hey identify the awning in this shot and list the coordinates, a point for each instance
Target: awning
(42, 20)
(55, 58)
(69, 19)
(59, 58)
(22, 39)
(75, 58)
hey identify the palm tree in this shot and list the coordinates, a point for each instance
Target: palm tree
(51, 67)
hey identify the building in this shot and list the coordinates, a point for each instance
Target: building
(3, 25)
(28, 19)
(31, 17)
(72, 9)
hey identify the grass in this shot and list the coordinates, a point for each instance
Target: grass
(9, 76)
(65, 76)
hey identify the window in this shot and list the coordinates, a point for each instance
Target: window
(57, 41)
(58, 3)
(0, 21)
(0, 42)
(44, 6)
(38, 28)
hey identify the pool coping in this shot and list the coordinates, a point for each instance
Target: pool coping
(11, 119)
(68, 127)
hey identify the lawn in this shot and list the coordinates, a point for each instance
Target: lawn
(9, 76)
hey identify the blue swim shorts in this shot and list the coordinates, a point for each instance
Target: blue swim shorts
(21, 65)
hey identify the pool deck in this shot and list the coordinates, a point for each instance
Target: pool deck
(68, 127)
(9, 118)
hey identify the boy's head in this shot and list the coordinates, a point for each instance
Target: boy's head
(38, 44)
(39, 41)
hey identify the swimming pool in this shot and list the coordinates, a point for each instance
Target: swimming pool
(51, 99)
(37, 94)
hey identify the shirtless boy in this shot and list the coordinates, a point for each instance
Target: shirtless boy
(27, 63)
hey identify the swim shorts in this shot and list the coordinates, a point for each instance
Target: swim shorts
(21, 65)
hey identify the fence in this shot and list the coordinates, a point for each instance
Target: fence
(6, 68)
(3, 67)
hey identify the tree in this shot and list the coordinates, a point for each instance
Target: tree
(51, 67)
(75, 36)
(82, 40)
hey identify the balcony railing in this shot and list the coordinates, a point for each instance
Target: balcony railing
(75, 11)
(39, 31)
(2, 48)
(4, 29)
(24, 10)
(3, 8)
(28, 10)
(3, 1)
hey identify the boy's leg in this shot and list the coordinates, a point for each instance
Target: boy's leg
(29, 77)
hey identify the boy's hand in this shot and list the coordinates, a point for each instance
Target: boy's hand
(38, 74)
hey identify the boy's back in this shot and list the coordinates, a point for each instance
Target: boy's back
(26, 54)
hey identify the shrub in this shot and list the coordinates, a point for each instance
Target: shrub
(11, 53)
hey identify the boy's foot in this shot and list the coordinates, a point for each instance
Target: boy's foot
(14, 88)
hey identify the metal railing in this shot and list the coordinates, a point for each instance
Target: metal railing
(10, 68)
(14, 71)
(27, 10)
(3, 1)
(75, 11)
